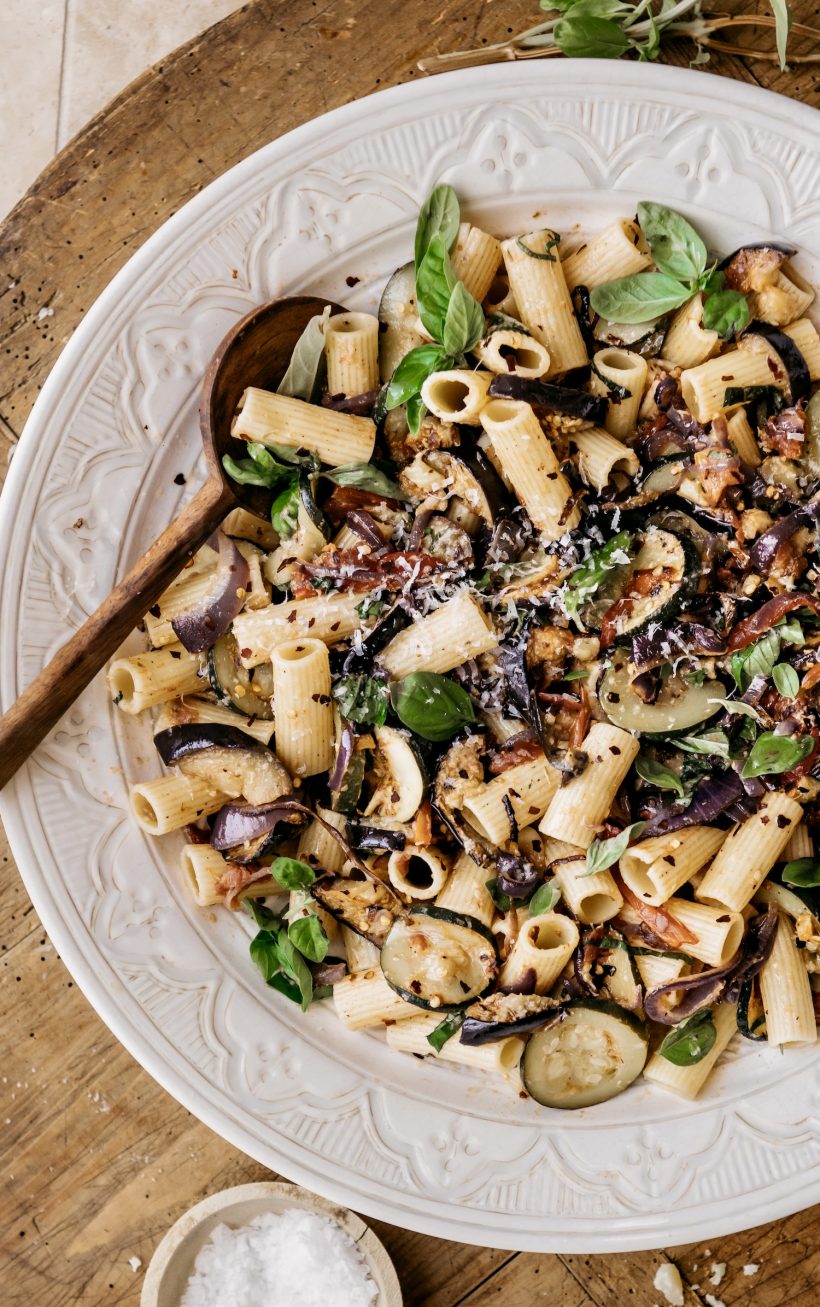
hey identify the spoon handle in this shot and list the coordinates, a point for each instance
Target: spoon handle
(42, 704)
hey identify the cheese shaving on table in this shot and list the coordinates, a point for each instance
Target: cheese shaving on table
(278, 1260)
(668, 1282)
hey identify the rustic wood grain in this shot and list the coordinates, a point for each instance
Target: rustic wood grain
(97, 1159)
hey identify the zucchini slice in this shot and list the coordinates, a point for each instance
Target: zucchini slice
(678, 707)
(348, 771)
(665, 475)
(400, 776)
(399, 318)
(662, 574)
(439, 960)
(622, 984)
(366, 906)
(592, 1055)
(246, 692)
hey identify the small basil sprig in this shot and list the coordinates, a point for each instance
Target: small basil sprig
(586, 579)
(757, 659)
(680, 257)
(365, 476)
(689, 1042)
(712, 743)
(451, 315)
(654, 773)
(292, 874)
(786, 680)
(267, 466)
(279, 959)
(284, 513)
(445, 1030)
(545, 898)
(804, 873)
(603, 853)
(431, 705)
(362, 699)
(773, 754)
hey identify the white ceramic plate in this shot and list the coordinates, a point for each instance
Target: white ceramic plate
(427, 1147)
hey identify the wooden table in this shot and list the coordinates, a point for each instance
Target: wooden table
(98, 1160)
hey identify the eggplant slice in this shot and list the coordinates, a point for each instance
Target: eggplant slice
(229, 759)
(500, 1015)
(366, 906)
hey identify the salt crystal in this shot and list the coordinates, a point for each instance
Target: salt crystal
(135, 1263)
(751, 1268)
(45, 313)
(278, 1260)
(718, 1272)
(713, 1301)
(668, 1282)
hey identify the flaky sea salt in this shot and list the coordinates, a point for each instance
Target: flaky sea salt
(718, 1272)
(668, 1282)
(279, 1260)
(751, 1268)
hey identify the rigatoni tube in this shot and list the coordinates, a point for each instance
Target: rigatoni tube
(525, 789)
(786, 991)
(620, 376)
(689, 1080)
(544, 946)
(658, 867)
(270, 419)
(475, 258)
(749, 851)
(326, 617)
(540, 289)
(352, 351)
(303, 707)
(617, 251)
(146, 679)
(529, 461)
(455, 632)
(581, 805)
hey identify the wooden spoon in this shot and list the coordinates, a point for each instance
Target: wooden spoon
(255, 352)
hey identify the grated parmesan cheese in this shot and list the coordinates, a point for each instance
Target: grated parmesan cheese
(278, 1261)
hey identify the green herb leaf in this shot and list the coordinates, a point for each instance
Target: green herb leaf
(440, 216)
(264, 954)
(551, 242)
(370, 608)
(756, 660)
(263, 916)
(545, 898)
(803, 872)
(280, 982)
(445, 1030)
(582, 37)
(307, 362)
(413, 371)
(435, 282)
(737, 707)
(603, 853)
(502, 901)
(295, 968)
(309, 936)
(783, 25)
(654, 773)
(689, 1042)
(676, 247)
(464, 322)
(715, 743)
(367, 477)
(362, 699)
(791, 632)
(577, 674)
(638, 298)
(786, 680)
(292, 874)
(431, 705)
(284, 513)
(261, 469)
(586, 579)
(727, 313)
(773, 754)
(416, 410)
(711, 281)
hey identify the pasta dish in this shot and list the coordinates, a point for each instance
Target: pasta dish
(504, 725)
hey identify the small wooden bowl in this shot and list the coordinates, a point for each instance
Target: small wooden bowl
(172, 1264)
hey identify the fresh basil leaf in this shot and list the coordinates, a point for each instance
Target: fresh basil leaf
(305, 371)
(711, 281)
(773, 754)
(545, 898)
(292, 874)
(783, 25)
(264, 954)
(803, 872)
(281, 983)
(757, 659)
(551, 242)
(586, 579)
(295, 968)
(689, 1042)
(431, 705)
(464, 322)
(309, 936)
(366, 476)
(263, 916)
(440, 216)
(413, 371)
(445, 1030)
(362, 699)
(676, 247)
(638, 298)
(502, 901)
(435, 282)
(577, 674)
(726, 312)
(786, 680)
(654, 773)
(585, 37)
(714, 743)
(284, 513)
(791, 632)
(370, 608)
(415, 412)
(603, 853)
(737, 707)
(246, 472)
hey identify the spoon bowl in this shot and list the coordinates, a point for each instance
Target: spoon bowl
(255, 352)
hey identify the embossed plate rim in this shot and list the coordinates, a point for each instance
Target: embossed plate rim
(120, 1010)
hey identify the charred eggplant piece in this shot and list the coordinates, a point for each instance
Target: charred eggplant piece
(200, 627)
(751, 267)
(794, 363)
(231, 760)
(500, 1015)
(367, 907)
(555, 399)
(246, 831)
